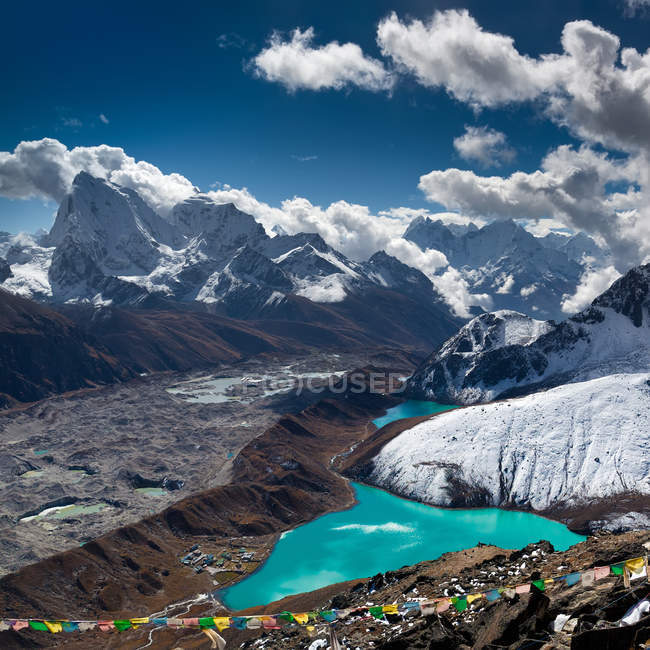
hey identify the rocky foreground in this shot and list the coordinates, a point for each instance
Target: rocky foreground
(574, 617)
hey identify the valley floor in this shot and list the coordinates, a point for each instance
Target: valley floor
(74, 467)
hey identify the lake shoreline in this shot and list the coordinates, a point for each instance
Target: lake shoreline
(399, 531)
(222, 594)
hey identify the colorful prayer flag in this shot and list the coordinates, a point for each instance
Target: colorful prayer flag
(122, 625)
(459, 603)
(222, 622)
(38, 625)
(53, 626)
(571, 579)
(617, 569)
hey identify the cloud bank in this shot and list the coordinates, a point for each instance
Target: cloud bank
(596, 89)
(45, 169)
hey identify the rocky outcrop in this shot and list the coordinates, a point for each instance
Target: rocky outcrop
(590, 614)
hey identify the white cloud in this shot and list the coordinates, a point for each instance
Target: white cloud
(592, 284)
(445, 278)
(349, 227)
(296, 64)
(103, 118)
(488, 147)
(407, 214)
(598, 91)
(507, 284)
(456, 292)
(543, 227)
(303, 158)
(453, 52)
(45, 169)
(528, 291)
(428, 261)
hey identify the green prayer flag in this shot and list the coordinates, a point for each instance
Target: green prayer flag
(459, 603)
(208, 621)
(287, 617)
(122, 625)
(38, 625)
(539, 584)
(617, 569)
(377, 612)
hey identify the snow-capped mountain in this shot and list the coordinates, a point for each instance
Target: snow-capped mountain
(580, 248)
(506, 353)
(569, 446)
(29, 261)
(107, 246)
(502, 259)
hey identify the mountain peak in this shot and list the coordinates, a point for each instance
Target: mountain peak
(629, 295)
(224, 224)
(85, 178)
(505, 227)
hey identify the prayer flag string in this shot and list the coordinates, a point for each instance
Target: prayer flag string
(631, 569)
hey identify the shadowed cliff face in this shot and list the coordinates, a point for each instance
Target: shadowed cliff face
(42, 353)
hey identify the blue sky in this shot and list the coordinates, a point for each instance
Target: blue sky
(172, 96)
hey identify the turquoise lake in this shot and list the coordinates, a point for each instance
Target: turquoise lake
(410, 409)
(384, 532)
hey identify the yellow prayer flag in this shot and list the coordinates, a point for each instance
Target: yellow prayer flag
(472, 597)
(301, 618)
(222, 622)
(549, 581)
(636, 565)
(389, 609)
(139, 621)
(53, 626)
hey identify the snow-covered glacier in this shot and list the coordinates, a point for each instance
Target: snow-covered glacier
(568, 445)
